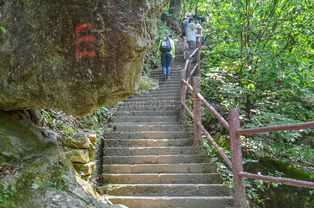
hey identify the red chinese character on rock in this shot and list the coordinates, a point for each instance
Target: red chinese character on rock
(79, 39)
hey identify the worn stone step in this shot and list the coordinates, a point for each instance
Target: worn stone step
(149, 135)
(167, 88)
(135, 127)
(171, 82)
(152, 150)
(160, 168)
(156, 94)
(148, 107)
(162, 93)
(152, 94)
(148, 123)
(145, 119)
(147, 142)
(148, 113)
(174, 70)
(163, 178)
(166, 189)
(173, 202)
(165, 91)
(160, 78)
(153, 102)
(156, 159)
(159, 74)
(173, 97)
(176, 81)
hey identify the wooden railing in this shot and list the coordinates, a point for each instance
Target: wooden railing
(233, 127)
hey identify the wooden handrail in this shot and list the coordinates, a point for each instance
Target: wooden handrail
(186, 64)
(187, 84)
(187, 109)
(287, 181)
(285, 127)
(192, 72)
(216, 146)
(214, 112)
(193, 53)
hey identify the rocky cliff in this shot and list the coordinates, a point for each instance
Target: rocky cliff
(73, 55)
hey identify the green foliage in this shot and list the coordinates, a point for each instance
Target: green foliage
(67, 125)
(259, 57)
(4, 194)
(147, 84)
(285, 168)
(96, 119)
(59, 179)
(2, 29)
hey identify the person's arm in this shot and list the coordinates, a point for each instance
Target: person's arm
(173, 49)
(158, 51)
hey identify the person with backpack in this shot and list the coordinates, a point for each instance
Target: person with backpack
(184, 24)
(167, 53)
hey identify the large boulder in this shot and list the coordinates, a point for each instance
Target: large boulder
(73, 55)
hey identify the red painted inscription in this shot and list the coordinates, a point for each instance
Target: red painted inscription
(79, 39)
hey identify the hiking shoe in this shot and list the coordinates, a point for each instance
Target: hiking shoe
(168, 78)
(164, 77)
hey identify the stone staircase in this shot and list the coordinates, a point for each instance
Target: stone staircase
(149, 160)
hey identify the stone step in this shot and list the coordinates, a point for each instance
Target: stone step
(160, 75)
(150, 102)
(147, 142)
(132, 151)
(167, 90)
(134, 127)
(160, 168)
(145, 118)
(152, 94)
(156, 159)
(157, 94)
(167, 82)
(174, 79)
(149, 135)
(132, 106)
(175, 96)
(173, 202)
(164, 178)
(174, 69)
(165, 189)
(148, 113)
(169, 86)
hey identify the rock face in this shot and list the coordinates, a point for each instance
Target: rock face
(35, 173)
(73, 55)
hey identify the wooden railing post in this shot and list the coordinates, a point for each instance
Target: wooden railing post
(197, 110)
(198, 56)
(182, 94)
(188, 71)
(185, 49)
(236, 159)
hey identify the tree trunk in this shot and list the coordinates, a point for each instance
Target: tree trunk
(174, 15)
(175, 9)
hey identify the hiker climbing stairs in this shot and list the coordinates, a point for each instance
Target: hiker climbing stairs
(150, 161)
